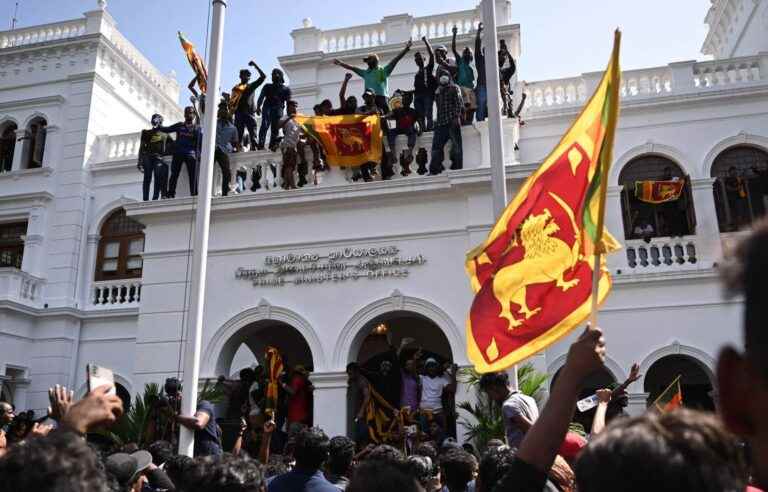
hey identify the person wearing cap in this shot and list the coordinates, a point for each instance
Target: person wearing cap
(424, 87)
(133, 471)
(299, 391)
(241, 103)
(450, 107)
(375, 76)
(433, 387)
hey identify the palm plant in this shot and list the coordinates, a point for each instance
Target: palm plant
(485, 422)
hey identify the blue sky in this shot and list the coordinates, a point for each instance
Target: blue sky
(560, 38)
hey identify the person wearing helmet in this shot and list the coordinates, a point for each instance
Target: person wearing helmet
(154, 144)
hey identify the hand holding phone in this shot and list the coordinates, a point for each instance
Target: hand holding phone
(99, 376)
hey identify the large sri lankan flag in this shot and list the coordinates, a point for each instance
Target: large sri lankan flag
(201, 74)
(532, 276)
(348, 140)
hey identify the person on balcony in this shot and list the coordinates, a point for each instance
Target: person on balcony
(292, 158)
(505, 78)
(450, 107)
(270, 105)
(370, 107)
(375, 76)
(226, 142)
(736, 193)
(405, 124)
(186, 151)
(241, 103)
(424, 86)
(154, 144)
(464, 77)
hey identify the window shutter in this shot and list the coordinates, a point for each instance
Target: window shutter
(690, 211)
(39, 149)
(626, 213)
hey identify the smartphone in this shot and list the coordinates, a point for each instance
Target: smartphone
(99, 376)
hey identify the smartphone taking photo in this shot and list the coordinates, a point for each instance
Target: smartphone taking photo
(99, 376)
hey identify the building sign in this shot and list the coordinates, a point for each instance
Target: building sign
(335, 266)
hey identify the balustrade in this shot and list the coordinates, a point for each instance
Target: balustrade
(116, 293)
(41, 34)
(660, 254)
(19, 286)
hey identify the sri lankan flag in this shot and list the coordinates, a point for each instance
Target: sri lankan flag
(275, 369)
(380, 417)
(349, 140)
(201, 74)
(658, 191)
(671, 398)
(532, 277)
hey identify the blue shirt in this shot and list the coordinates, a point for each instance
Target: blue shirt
(187, 137)
(207, 440)
(301, 481)
(226, 133)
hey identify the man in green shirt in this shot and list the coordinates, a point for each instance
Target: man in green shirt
(375, 76)
(464, 76)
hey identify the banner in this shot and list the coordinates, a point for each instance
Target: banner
(658, 191)
(532, 277)
(348, 140)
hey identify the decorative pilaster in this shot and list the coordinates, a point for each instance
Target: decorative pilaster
(18, 151)
(330, 400)
(707, 229)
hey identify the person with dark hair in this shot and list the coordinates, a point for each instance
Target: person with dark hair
(7, 414)
(385, 452)
(153, 145)
(505, 77)
(465, 78)
(341, 451)
(450, 107)
(360, 389)
(457, 467)
(518, 410)
(231, 474)
(272, 100)
(743, 376)
(203, 423)
(59, 462)
(405, 124)
(383, 476)
(186, 151)
(227, 141)
(680, 450)
(178, 468)
(161, 452)
(311, 452)
(375, 77)
(434, 387)
(241, 103)
(424, 86)
(481, 90)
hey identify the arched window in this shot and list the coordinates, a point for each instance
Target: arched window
(672, 214)
(741, 186)
(12, 244)
(120, 248)
(34, 143)
(7, 146)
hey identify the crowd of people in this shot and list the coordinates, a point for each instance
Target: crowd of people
(679, 450)
(447, 94)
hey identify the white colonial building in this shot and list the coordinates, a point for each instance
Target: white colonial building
(91, 274)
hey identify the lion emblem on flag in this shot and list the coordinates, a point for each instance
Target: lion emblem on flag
(350, 139)
(546, 259)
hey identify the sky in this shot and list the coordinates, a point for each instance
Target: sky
(560, 38)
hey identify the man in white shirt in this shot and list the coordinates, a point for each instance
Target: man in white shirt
(432, 387)
(518, 410)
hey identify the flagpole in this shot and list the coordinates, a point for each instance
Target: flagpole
(495, 127)
(194, 327)
(609, 137)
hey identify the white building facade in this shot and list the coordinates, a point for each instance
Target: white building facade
(94, 275)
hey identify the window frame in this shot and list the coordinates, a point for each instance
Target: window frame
(744, 164)
(13, 245)
(122, 272)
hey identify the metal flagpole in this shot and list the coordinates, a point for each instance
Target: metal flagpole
(202, 222)
(495, 128)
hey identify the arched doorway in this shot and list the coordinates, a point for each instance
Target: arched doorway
(645, 220)
(740, 187)
(695, 381)
(380, 342)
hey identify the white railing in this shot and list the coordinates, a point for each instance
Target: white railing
(167, 84)
(43, 33)
(116, 293)
(660, 254)
(369, 35)
(19, 286)
(110, 148)
(687, 78)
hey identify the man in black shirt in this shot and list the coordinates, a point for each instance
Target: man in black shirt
(270, 105)
(424, 85)
(480, 89)
(242, 106)
(152, 147)
(186, 150)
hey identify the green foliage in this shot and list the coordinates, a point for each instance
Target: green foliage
(486, 422)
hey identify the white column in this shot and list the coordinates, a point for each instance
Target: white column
(194, 328)
(638, 404)
(708, 246)
(18, 150)
(33, 261)
(330, 402)
(52, 145)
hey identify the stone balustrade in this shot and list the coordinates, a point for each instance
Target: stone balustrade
(43, 33)
(111, 148)
(21, 287)
(676, 79)
(660, 254)
(116, 293)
